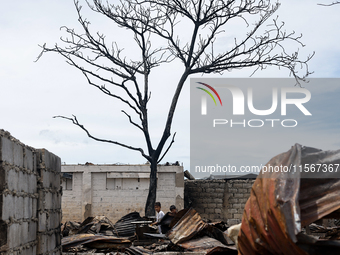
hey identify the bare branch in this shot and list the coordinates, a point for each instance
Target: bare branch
(75, 122)
(334, 3)
(172, 141)
(133, 123)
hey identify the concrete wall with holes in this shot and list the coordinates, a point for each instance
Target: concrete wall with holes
(115, 190)
(30, 199)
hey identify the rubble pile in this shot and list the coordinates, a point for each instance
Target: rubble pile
(280, 217)
(188, 232)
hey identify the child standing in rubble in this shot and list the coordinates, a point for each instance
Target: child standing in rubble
(159, 216)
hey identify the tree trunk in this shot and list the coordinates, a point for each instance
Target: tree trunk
(150, 202)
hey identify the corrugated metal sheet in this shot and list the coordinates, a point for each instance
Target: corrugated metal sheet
(95, 241)
(137, 251)
(282, 202)
(187, 227)
(124, 227)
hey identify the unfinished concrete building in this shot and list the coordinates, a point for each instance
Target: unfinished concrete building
(115, 190)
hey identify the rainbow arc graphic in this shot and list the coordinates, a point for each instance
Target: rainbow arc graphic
(209, 93)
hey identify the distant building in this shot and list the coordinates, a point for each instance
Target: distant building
(115, 190)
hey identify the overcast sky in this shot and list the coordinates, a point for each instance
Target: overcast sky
(33, 92)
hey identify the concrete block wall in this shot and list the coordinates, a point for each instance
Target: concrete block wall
(116, 190)
(218, 200)
(49, 203)
(238, 192)
(20, 197)
(72, 199)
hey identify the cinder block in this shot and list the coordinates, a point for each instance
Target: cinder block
(32, 183)
(234, 200)
(232, 211)
(233, 190)
(41, 200)
(219, 190)
(34, 249)
(55, 201)
(213, 185)
(3, 176)
(220, 195)
(42, 222)
(238, 185)
(27, 207)
(212, 205)
(19, 210)
(23, 182)
(6, 150)
(12, 179)
(52, 242)
(34, 206)
(23, 232)
(42, 245)
(56, 181)
(237, 216)
(18, 153)
(242, 190)
(247, 185)
(232, 222)
(8, 206)
(45, 177)
(32, 231)
(29, 159)
(241, 210)
(237, 206)
(13, 236)
(53, 220)
(218, 200)
(243, 200)
(58, 239)
(29, 251)
(49, 160)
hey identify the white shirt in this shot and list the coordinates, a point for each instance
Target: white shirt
(159, 216)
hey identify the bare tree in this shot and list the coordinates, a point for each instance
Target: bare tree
(106, 67)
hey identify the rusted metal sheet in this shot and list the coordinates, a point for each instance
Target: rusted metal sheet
(208, 245)
(281, 203)
(95, 241)
(188, 226)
